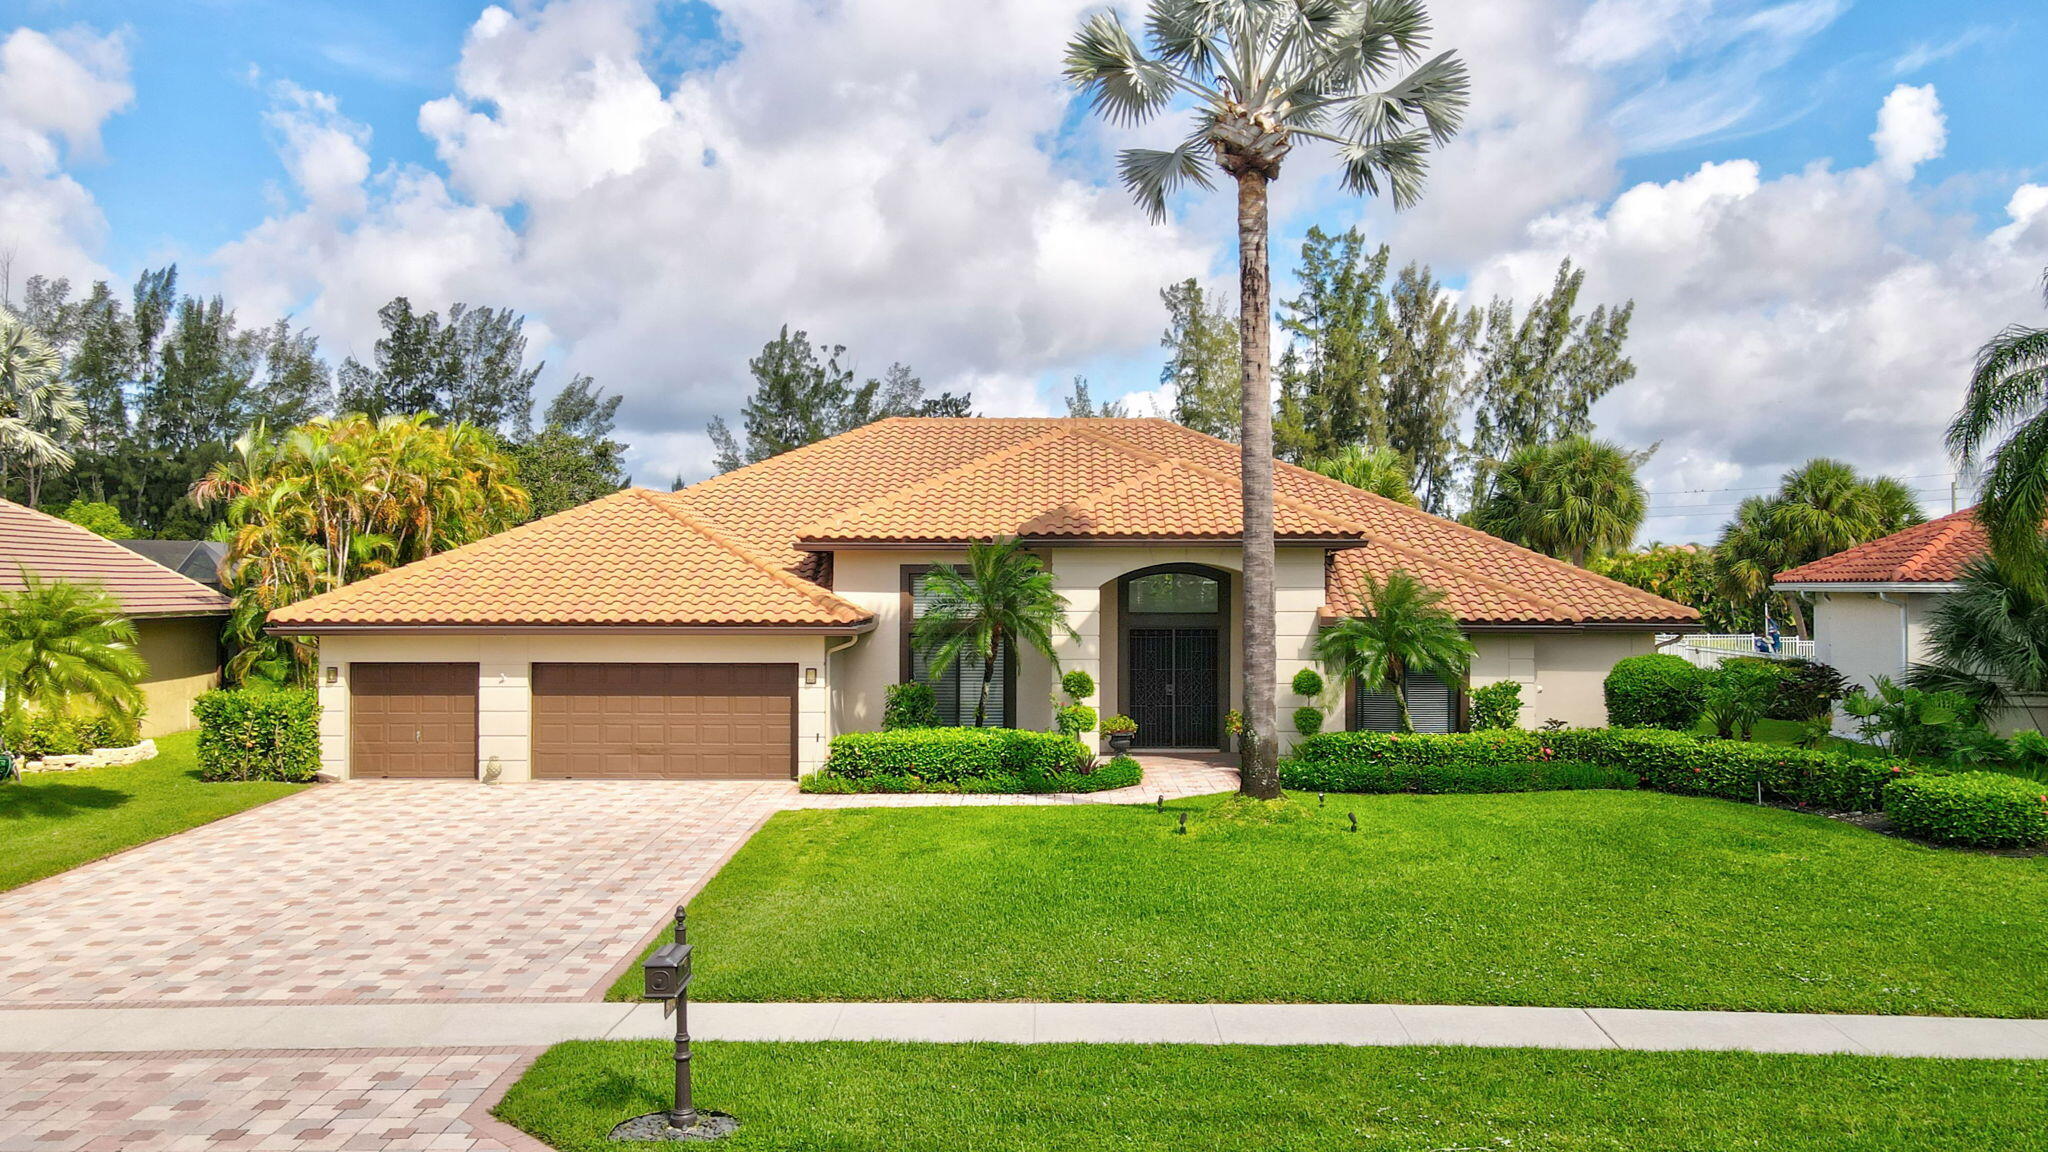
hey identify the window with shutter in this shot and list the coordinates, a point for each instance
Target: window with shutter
(1432, 707)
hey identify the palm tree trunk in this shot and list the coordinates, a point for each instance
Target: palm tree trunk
(988, 671)
(1259, 752)
(1401, 708)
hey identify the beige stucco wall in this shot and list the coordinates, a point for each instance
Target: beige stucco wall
(183, 654)
(1865, 637)
(1562, 672)
(504, 680)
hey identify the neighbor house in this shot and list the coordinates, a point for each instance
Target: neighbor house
(730, 629)
(1872, 603)
(200, 560)
(177, 620)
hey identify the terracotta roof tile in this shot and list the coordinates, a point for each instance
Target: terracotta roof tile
(1932, 553)
(627, 559)
(931, 480)
(60, 550)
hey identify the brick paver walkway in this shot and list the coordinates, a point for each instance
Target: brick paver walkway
(275, 1102)
(402, 891)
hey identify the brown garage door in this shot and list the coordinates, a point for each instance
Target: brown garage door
(412, 721)
(664, 721)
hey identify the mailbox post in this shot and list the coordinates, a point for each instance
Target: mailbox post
(667, 978)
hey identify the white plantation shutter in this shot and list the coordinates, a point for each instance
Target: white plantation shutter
(959, 686)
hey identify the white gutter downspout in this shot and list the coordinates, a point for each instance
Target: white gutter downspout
(1905, 630)
(829, 651)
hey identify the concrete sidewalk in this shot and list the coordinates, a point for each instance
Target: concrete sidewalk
(369, 1026)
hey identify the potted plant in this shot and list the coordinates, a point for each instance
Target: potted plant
(1119, 728)
(1233, 726)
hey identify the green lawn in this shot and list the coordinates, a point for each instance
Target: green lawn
(1622, 899)
(50, 821)
(1082, 1098)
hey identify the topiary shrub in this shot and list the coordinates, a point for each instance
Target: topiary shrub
(909, 706)
(1308, 682)
(1980, 809)
(1497, 705)
(1074, 719)
(1308, 720)
(249, 734)
(1656, 691)
(1078, 685)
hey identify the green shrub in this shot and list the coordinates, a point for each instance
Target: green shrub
(1078, 685)
(1308, 682)
(958, 757)
(1308, 720)
(1074, 719)
(1497, 705)
(909, 706)
(1739, 693)
(1809, 691)
(1656, 691)
(1120, 725)
(1983, 809)
(247, 734)
(1660, 759)
(36, 736)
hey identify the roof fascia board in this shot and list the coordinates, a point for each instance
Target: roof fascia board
(864, 626)
(1868, 586)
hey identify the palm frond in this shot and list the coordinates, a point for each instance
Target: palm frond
(1106, 64)
(1397, 165)
(1152, 175)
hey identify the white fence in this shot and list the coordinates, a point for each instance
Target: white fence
(1709, 651)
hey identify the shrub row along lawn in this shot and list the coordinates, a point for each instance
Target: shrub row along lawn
(1619, 899)
(51, 821)
(942, 1097)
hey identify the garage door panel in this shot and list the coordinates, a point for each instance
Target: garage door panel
(412, 721)
(664, 721)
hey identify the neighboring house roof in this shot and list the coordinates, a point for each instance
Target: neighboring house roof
(631, 558)
(769, 528)
(1932, 553)
(56, 549)
(195, 559)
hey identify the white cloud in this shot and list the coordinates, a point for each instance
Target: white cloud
(55, 93)
(1911, 130)
(326, 153)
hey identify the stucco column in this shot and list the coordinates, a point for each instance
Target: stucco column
(1084, 652)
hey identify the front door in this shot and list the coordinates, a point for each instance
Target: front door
(1173, 687)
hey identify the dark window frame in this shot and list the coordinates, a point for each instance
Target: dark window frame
(1461, 702)
(905, 664)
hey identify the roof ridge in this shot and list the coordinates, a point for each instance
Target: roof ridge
(822, 597)
(98, 539)
(719, 479)
(809, 530)
(1220, 477)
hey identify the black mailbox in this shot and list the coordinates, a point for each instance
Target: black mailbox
(667, 972)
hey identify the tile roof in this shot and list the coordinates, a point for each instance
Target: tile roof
(1932, 553)
(60, 550)
(769, 528)
(631, 558)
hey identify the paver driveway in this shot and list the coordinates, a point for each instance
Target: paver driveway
(426, 890)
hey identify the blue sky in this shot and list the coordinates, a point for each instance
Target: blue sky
(562, 175)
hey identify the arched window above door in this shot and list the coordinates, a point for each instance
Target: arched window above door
(1175, 594)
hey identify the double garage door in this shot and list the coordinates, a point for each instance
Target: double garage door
(589, 721)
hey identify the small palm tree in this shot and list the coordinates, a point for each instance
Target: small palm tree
(1404, 628)
(1003, 598)
(1575, 499)
(1988, 641)
(1262, 76)
(60, 640)
(1381, 471)
(39, 409)
(2009, 395)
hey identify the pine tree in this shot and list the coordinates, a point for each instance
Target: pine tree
(1081, 405)
(1202, 365)
(1427, 340)
(1334, 322)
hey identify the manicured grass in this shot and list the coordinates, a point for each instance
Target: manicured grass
(1079, 1098)
(51, 821)
(1621, 899)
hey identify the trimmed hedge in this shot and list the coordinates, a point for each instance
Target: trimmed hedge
(954, 760)
(1656, 691)
(911, 705)
(1981, 809)
(252, 734)
(1663, 760)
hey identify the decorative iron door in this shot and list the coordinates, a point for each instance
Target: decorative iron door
(1173, 687)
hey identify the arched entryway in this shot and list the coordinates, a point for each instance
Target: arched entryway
(1173, 627)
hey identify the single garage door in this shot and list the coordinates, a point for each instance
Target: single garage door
(664, 721)
(412, 721)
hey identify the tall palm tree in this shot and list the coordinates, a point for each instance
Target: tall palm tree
(1404, 628)
(60, 641)
(1820, 508)
(2009, 396)
(1575, 499)
(1988, 641)
(1381, 471)
(1002, 599)
(1259, 76)
(39, 410)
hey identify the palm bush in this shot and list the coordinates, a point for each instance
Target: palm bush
(1575, 499)
(62, 642)
(1382, 471)
(1004, 597)
(1404, 627)
(1988, 641)
(2008, 398)
(1260, 77)
(1820, 508)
